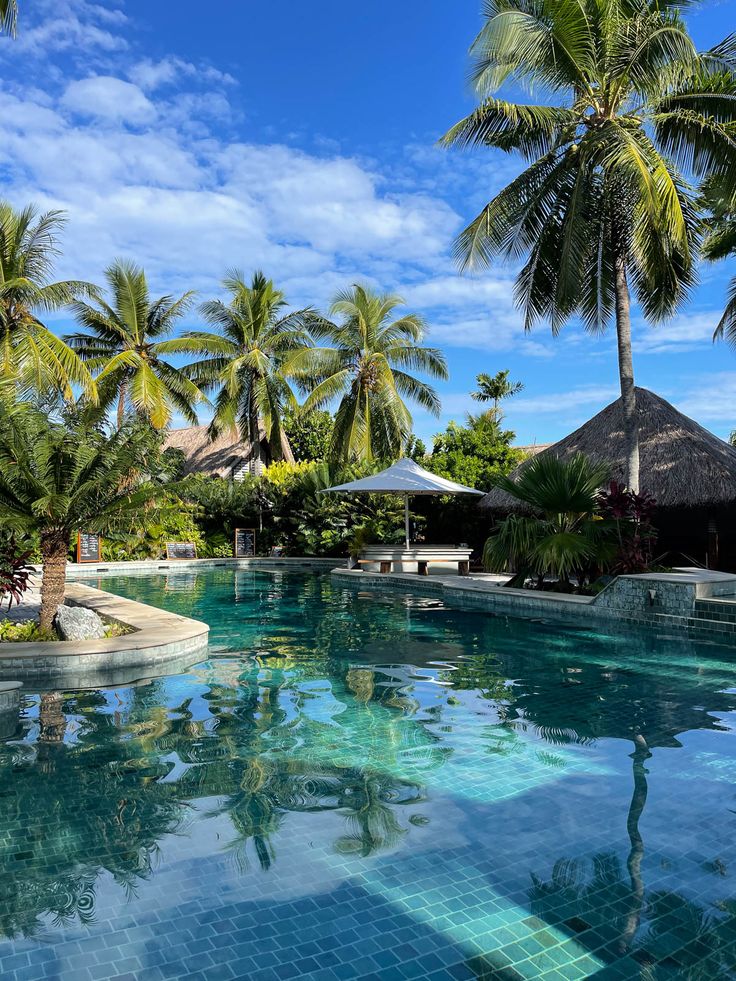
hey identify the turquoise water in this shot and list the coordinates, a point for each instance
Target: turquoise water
(373, 785)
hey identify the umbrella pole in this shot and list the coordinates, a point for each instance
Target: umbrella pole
(406, 518)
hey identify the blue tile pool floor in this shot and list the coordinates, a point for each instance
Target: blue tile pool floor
(356, 785)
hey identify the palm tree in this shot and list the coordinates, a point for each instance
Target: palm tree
(31, 355)
(494, 388)
(563, 535)
(365, 369)
(247, 358)
(8, 17)
(720, 242)
(127, 345)
(58, 477)
(603, 205)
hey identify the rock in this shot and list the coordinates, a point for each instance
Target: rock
(78, 623)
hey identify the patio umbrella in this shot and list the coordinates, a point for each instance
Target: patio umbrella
(405, 477)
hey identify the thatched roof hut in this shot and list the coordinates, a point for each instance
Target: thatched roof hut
(682, 465)
(226, 456)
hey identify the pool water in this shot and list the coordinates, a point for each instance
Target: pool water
(375, 785)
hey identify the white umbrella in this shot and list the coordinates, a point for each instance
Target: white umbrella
(405, 477)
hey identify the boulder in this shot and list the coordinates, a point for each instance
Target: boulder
(78, 623)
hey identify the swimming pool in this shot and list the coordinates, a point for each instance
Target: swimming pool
(360, 784)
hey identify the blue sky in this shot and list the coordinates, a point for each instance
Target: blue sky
(300, 139)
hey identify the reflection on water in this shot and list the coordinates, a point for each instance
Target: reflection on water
(498, 794)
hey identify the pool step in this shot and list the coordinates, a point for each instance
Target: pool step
(702, 620)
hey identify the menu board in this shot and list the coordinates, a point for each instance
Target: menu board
(88, 547)
(245, 542)
(181, 550)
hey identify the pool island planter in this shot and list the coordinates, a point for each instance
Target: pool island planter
(158, 638)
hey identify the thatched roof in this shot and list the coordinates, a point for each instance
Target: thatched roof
(217, 458)
(681, 463)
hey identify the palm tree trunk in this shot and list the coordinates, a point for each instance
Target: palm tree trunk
(54, 548)
(255, 442)
(121, 404)
(626, 375)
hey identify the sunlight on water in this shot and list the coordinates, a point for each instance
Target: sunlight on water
(358, 784)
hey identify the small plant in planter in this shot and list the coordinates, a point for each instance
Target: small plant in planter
(631, 514)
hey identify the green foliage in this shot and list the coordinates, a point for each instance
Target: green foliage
(34, 358)
(415, 449)
(495, 388)
(126, 344)
(247, 358)
(57, 477)
(176, 523)
(639, 110)
(476, 454)
(308, 433)
(564, 536)
(24, 632)
(366, 369)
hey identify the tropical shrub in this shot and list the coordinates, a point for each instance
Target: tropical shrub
(631, 515)
(24, 632)
(176, 523)
(308, 433)
(14, 571)
(564, 536)
(476, 454)
(60, 476)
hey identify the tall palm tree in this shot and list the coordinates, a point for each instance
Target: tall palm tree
(8, 17)
(603, 205)
(31, 355)
(246, 359)
(127, 344)
(494, 388)
(365, 369)
(57, 478)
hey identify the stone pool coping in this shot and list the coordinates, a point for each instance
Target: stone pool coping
(695, 603)
(267, 564)
(158, 637)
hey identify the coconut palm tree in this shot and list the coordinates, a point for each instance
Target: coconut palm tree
(246, 360)
(31, 355)
(127, 344)
(56, 478)
(603, 206)
(494, 388)
(8, 17)
(365, 369)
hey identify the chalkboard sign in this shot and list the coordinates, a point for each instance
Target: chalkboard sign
(88, 547)
(245, 542)
(181, 550)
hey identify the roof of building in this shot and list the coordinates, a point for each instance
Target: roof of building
(682, 464)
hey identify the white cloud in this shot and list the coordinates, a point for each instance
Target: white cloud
(105, 97)
(684, 333)
(566, 401)
(74, 26)
(151, 75)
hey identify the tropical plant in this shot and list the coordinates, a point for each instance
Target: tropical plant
(476, 454)
(31, 355)
(56, 478)
(308, 433)
(366, 370)
(495, 388)
(127, 342)
(563, 536)
(604, 204)
(719, 243)
(246, 360)
(8, 17)
(631, 515)
(15, 574)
